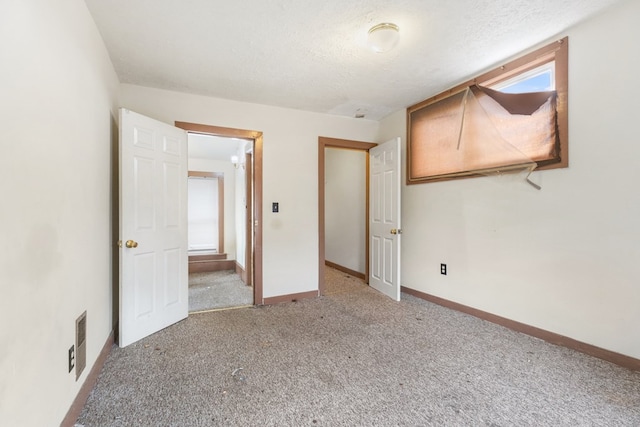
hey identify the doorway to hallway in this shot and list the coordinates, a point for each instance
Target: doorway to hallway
(238, 258)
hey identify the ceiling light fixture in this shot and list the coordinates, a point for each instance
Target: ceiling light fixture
(384, 37)
(235, 161)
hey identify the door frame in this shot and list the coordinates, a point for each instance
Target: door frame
(323, 143)
(256, 136)
(249, 204)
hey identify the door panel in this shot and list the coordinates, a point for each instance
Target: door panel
(153, 200)
(143, 281)
(143, 197)
(171, 192)
(385, 218)
(171, 276)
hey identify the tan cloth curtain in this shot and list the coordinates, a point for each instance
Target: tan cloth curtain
(481, 130)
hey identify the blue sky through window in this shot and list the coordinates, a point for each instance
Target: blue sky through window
(539, 79)
(539, 83)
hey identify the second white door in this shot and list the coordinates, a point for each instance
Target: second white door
(384, 222)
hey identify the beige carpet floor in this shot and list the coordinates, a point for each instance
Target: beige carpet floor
(218, 289)
(355, 358)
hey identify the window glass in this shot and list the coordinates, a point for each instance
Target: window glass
(540, 79)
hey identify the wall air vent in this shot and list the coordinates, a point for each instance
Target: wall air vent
(81, 344)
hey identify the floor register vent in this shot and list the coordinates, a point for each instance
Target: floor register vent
(81, 344)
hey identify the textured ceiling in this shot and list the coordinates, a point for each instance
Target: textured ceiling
(312, 54)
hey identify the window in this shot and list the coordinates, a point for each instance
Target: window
(540, 79)
(511, 118)
(205, 211)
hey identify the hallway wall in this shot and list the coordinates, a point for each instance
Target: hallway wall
(345, 208)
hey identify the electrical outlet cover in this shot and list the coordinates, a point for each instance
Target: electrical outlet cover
(72, 358)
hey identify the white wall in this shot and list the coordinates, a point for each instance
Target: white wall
(345, 208)
(564, 259)
(210, 165)
(58, 108)
(290, 171)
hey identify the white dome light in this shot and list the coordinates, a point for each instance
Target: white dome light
(384, 37)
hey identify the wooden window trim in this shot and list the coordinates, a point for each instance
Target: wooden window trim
(556, 51)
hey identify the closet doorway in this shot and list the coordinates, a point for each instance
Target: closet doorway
(359, 148)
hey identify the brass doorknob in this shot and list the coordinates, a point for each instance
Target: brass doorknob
(396, 231)
(131, 244)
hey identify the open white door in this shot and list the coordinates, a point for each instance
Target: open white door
(153, 226)
(384, 226)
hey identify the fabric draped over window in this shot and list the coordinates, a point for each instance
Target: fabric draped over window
(482, 131)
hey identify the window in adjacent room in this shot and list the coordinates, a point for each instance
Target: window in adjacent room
(205, 211)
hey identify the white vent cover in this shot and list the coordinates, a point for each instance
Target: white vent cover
(81, 344)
